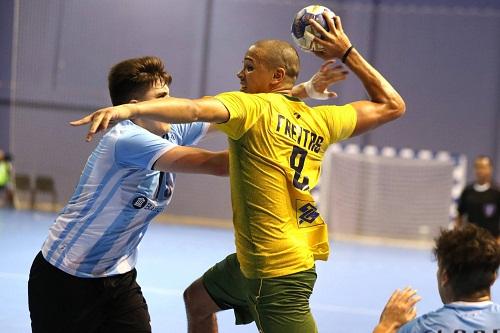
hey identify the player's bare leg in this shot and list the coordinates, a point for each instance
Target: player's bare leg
(200, 309)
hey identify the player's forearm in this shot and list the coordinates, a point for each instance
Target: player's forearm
(182, 110)
(218, 164)
(206, 162)
(194, 160)
(378, 88)
(169, 110)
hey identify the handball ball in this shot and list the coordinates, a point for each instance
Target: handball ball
(302, 32)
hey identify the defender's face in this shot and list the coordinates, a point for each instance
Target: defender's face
(483, 170)
(254, 77)
(158, 90)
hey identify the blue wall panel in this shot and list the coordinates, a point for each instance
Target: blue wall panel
(445, 63)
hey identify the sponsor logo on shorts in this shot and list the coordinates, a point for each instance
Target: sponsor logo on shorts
(141, 202)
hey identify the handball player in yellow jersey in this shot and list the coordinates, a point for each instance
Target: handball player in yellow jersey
(276, 146)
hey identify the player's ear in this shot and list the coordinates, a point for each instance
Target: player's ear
(444, 278)
(279, 75)
(132, 101)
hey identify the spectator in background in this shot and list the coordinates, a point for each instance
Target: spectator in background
(6, 178)
(468, 260)
(479, 202)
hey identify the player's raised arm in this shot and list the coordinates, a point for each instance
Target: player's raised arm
(385, 103)
(170, 110)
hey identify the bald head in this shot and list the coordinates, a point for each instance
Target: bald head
(278, 53)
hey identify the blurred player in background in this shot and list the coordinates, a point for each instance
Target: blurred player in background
(277, 144)
(479, 202)
(6, 188)
(468, 259)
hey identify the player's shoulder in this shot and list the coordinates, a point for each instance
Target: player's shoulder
(125, 128)
(425, 322)
(495, 307)
(333, 107)
(468, 188)
(120, 131)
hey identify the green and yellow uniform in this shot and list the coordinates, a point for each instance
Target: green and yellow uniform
(276, 146)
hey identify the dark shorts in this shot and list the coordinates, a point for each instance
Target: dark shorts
(60, 302)
(277, 305)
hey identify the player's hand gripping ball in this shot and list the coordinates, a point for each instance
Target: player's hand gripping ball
(302, 32)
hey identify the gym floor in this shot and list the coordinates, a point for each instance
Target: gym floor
(350, 292)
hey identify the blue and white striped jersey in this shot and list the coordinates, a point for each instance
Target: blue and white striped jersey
(99, 230)
(458, 317)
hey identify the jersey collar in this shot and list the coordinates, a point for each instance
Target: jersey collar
(482, 188)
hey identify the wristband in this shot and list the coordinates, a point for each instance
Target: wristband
(344, 57)
(312, 93)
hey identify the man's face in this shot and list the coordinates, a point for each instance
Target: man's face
(255, 77)
(483, 170)
(158, 90)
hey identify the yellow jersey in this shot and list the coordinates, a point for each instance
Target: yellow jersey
(276, 146)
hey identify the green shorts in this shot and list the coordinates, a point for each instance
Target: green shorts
(277, 305)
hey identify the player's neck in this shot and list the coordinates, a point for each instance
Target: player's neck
(477, 297)
(154, 127)
(282, 90)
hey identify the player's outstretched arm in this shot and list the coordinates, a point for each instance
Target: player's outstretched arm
(385, 103)
(317, 87)
(399, 310)
(169, 110)
(194, 160)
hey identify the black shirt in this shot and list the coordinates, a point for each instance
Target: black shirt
(481, 208)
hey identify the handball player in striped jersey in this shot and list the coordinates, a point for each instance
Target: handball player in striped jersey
(84, 278)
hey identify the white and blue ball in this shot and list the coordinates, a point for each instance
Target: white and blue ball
(302, 32)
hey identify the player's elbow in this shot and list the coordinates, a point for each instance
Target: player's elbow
(397, 106)
(401, 107)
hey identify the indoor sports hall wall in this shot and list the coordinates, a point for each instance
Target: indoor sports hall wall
(442, 55)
